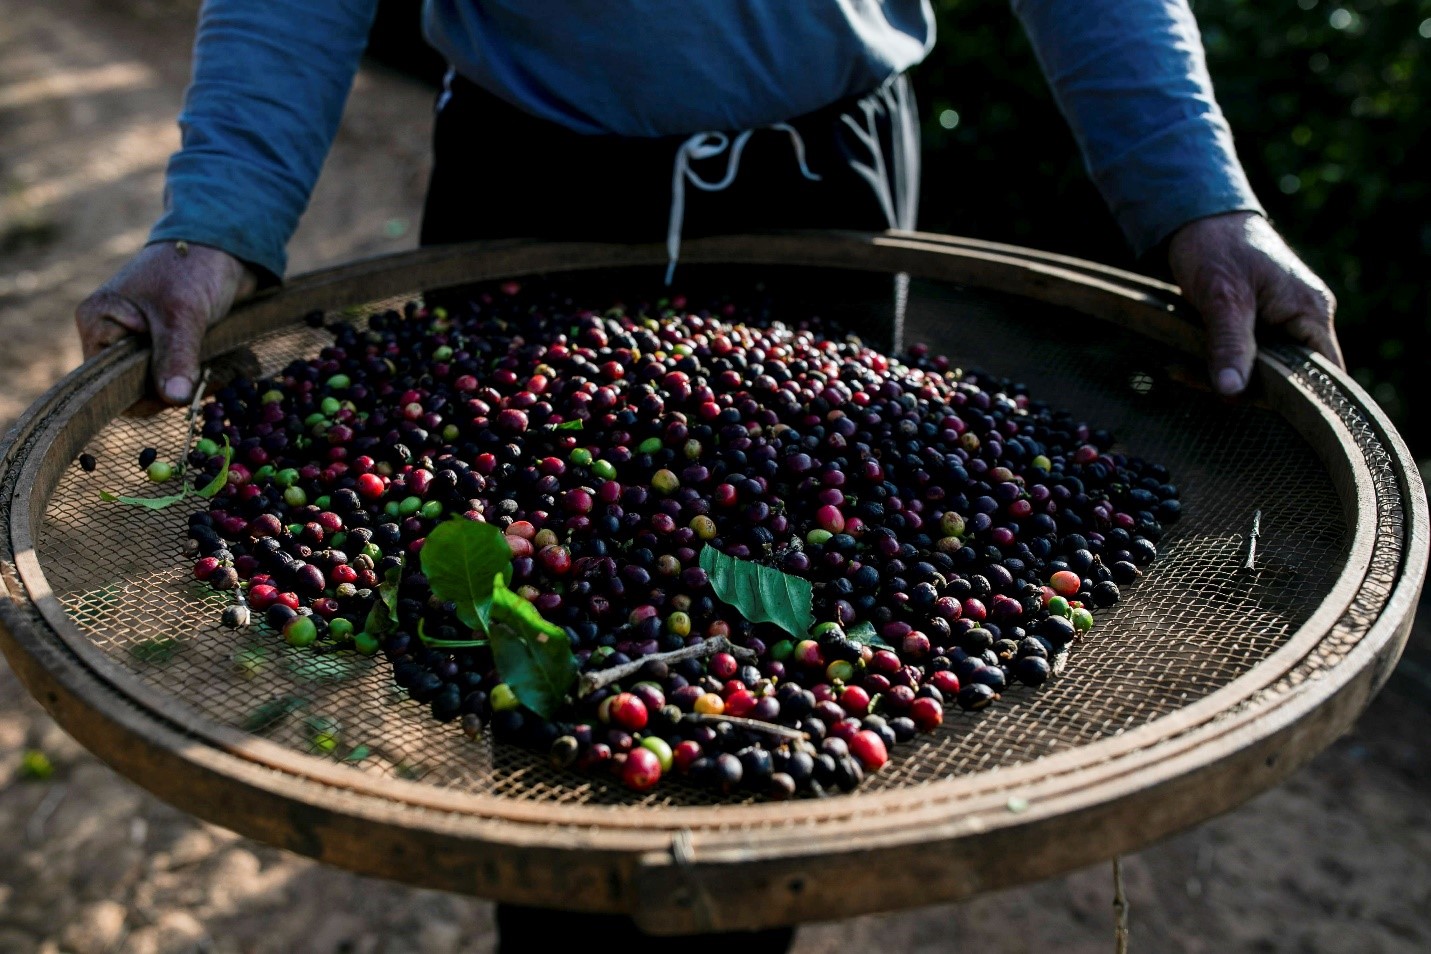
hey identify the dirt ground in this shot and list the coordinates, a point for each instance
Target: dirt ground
(1338, 859)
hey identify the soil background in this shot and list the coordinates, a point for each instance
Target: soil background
(1337, 859)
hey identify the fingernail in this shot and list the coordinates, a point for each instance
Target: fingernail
(1229, 382)
(177, 389)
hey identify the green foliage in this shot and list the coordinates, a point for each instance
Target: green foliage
(461, 558)
(1327, 100)
(533, 656)
(763, 594)
(382, 618)
(864, 633)
(208, 491)
(36, 765)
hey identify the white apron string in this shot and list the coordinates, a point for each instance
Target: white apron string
(707, 145)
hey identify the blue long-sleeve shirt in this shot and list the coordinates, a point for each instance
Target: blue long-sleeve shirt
(271, 78)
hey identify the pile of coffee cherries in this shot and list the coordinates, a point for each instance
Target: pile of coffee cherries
(957, 533)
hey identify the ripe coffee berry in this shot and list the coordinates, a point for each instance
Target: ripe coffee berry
(870, 749)
(641, 770)
(927, 714)
(627, 711)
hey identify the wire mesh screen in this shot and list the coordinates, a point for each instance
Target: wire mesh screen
(1194, 623)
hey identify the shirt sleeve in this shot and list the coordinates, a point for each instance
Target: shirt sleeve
(1131, 78)
(270, 81)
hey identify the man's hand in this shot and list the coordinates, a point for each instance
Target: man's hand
(1236, 269)
(172, 292)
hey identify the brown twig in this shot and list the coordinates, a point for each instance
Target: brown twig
(1120, 910)
(755, 725)
(190, 418)
(593, 681)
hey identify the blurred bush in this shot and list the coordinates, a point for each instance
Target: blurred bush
(1330, 106)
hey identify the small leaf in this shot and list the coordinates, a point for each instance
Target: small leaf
(382, 618)
(323, 733)
(249, 662)
(460, 558)
(96, 606)
(377, 622)
(763, 594)
(271, 713)
(36, 765)
(532, 655)
(864, 633)
(329, 667)
(152, 503)
(575, 425)
(357, 753)
(214, 486)
(157, 651)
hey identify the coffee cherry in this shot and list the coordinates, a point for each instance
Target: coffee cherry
(927, 713)
(627, 711)
(300, 631)
(661, 749)
(869, 749)
(641, 770)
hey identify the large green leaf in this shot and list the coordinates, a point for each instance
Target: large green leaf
(532, 655)
(460, 559)
(763, 594)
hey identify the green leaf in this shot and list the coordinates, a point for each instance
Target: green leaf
(377, 622)
(460, 558)
(157, 651)
(97, 606)
(568, 426)
(382, 618)
(249, 662)
(532, 655)
(271, 713)
(763, 594)
(36, 765)
(214, 486)
(324, 734)
(152, 503)
(357, 753)
(326, 668)
(864, 633)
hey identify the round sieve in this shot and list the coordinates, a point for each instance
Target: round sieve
(1211, 681)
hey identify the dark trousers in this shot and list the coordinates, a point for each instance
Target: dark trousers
(501, 173)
